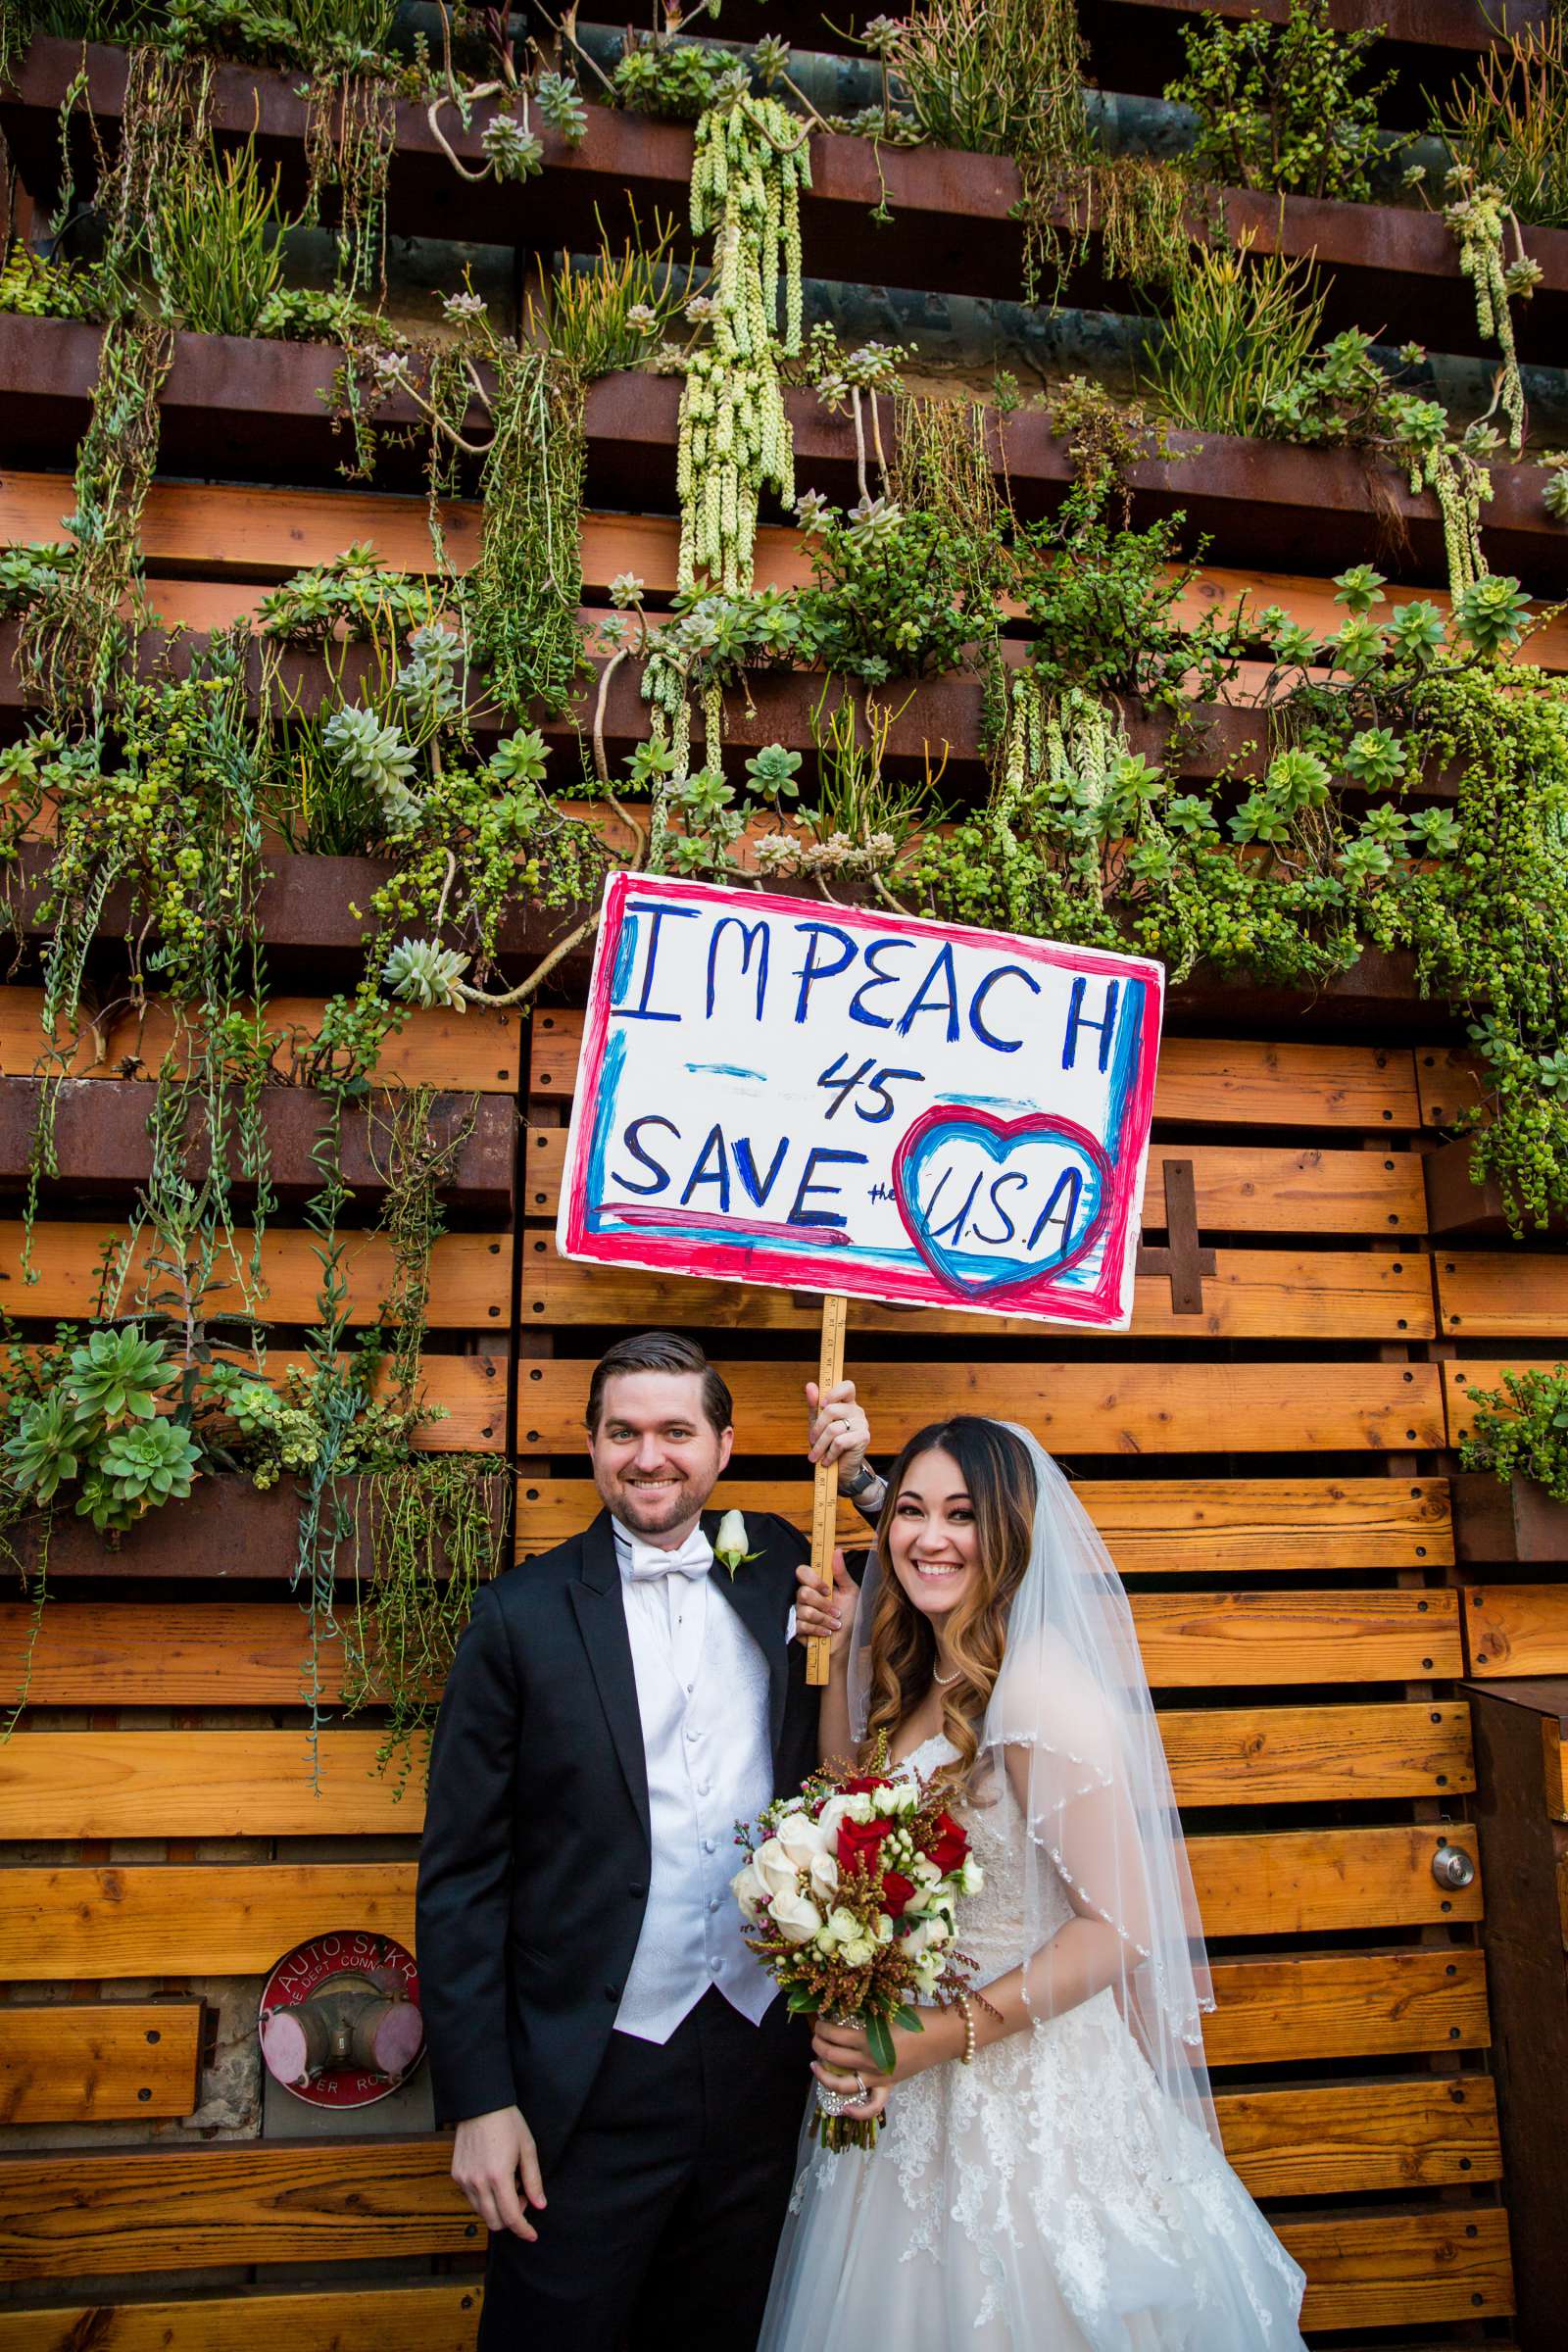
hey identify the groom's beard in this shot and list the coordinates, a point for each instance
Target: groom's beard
(656, 1507)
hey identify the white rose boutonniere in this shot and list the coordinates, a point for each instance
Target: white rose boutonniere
(729, 1544)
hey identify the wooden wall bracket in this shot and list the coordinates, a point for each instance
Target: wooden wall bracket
(1181, 1257)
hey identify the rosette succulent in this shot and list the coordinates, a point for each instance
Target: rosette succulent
(420, 972)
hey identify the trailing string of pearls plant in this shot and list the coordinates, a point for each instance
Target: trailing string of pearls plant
(751, 161)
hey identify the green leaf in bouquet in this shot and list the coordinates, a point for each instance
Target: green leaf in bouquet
(803, 2003)
(909, 2018)
(880, 2037)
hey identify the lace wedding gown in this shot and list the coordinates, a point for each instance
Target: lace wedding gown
(1050, 2195)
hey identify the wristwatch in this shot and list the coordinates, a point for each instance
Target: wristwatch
(865, 1482)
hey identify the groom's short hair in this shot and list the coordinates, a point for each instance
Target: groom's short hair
(660, 1351)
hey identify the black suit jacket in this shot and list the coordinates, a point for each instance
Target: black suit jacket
(534, 1868)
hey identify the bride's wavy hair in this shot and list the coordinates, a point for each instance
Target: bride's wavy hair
(1000, 1481)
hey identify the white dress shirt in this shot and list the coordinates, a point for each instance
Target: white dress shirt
(703, 1696)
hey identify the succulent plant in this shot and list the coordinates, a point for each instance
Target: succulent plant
(376, 755)
(115, 1377)
(422, 973)
(44, 1448)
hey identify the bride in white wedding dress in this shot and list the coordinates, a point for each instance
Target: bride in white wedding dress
(1048, 2174)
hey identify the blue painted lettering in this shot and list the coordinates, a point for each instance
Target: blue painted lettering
(814, 969)
(817, 1157)
(988, 1037)
(881, 979)
(999, 1184)
(656, 915)
(942, 967)
(746, 1168)
(754, 936)
(1078, 1019)
(702, 1173)
(1068, 1190)
(632, 1140)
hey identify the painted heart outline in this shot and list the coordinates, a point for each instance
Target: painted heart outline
(998, 1136)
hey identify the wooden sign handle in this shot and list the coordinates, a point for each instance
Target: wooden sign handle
(825, 1495)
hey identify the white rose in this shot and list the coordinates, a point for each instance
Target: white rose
(903, 1798)
(925, 1871)
(824, 1876)
(928, 1973)
(749, 1893)
(857, 1953)
(970, 1878)
(796, 1920)
(938, 1931)
(802, 1839)
(861, 1806)
(915, 1941)
(840, 1926)
(775, 1867)
(832, 1813)
(730, 1541)
(884, 1927)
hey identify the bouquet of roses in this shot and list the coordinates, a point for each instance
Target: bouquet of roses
(850, 1892)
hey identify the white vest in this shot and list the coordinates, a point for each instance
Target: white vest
(703, 1696)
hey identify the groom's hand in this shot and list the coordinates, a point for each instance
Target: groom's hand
(489, 2155)
(823, 1616)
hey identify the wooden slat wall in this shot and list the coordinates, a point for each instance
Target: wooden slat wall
(1270, 1474)
(224, 533)
(1300, 1622)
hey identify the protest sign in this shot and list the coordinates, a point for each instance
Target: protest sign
(843, 1099)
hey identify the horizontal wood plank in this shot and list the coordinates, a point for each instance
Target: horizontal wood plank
(1348, 2005)
(99, 2063)
(1092, 1408)
(1401, 2270)
(273, 1783)
(361, 2319)
(1513, 1630)
(1343, 2140)
(1252, 1638)
(1251, 1295)
(137, 1653)
(1462, 1380)
(216, 530)
(1241, 1188)
(181, 2208)
(1238, 1084)
(1251, 1526)
(188, 2208)
(1246, 1755)
(469, 1275)
(75, 1920)
(480, 1051)
(1496, 1294)
(81, 1921)
(238, 1784)
(253, 1653)
(467, 1393)
(1450, 1080)
(1314, 1881)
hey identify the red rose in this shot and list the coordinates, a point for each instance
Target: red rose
(865, 1784)
(895, 1892)
(861, 1841)
(950, 1845)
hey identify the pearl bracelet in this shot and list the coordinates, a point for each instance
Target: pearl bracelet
(967, 2058)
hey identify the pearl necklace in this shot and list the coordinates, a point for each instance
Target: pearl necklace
(943, 1680)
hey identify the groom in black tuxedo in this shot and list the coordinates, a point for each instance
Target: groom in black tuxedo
(627, 2086)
